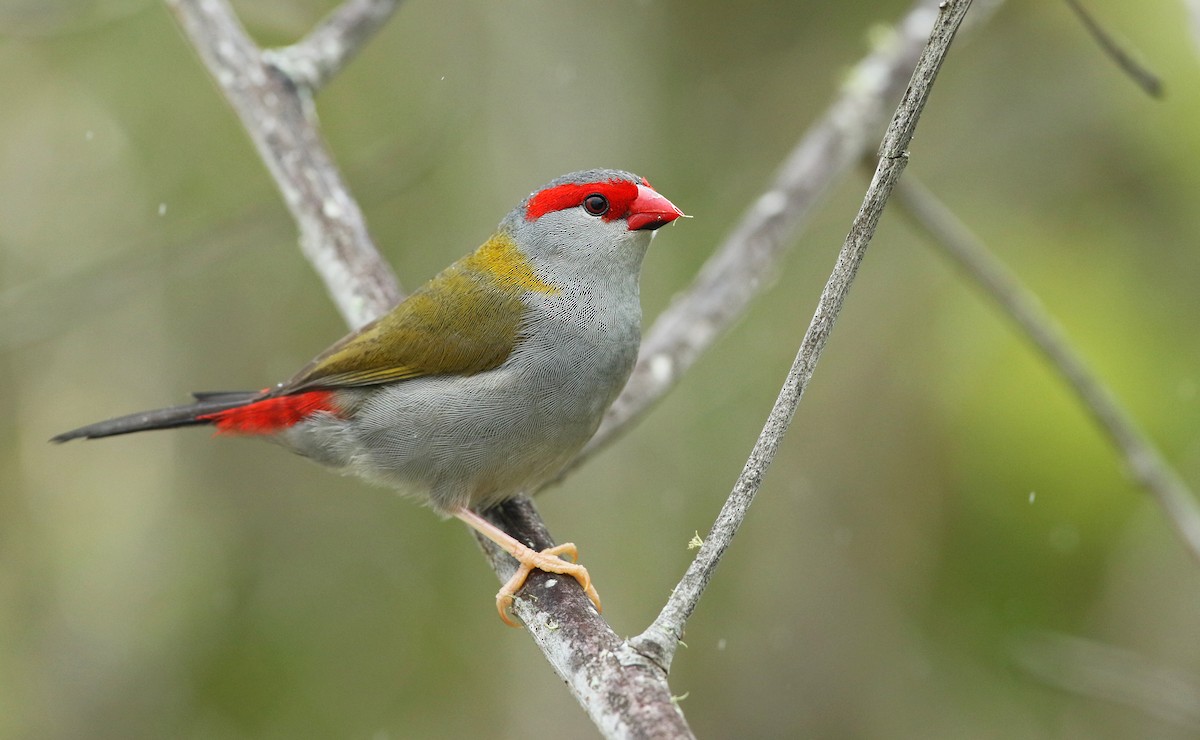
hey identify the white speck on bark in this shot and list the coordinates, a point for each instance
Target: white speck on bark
(772, 203)
(332, 209)
(660, 367)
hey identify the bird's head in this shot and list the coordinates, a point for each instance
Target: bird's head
(590, 220)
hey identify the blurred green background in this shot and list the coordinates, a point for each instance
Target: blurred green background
(940, 503)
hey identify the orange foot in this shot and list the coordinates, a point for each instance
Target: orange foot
(547, 560)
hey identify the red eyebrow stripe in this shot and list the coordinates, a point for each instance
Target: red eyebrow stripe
(619, 193)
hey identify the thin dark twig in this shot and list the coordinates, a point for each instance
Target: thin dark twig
(976, 261)
(659, 641)
(1150, 83)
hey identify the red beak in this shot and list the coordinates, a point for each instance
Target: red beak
(650, 210)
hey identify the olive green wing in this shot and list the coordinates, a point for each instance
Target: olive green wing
(462, 322)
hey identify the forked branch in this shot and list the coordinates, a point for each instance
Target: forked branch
(659, 641)
(623, 690)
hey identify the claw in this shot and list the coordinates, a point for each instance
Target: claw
(549, 560)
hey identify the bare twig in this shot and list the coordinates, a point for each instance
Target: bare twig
(748, 259)
(659, 641)
(333, 233)
(1150, 83)
(1096, 670)
(320, 55)
(973, 258)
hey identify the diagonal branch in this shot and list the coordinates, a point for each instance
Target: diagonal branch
(974, 260)
(1096, 670)
(623, 693)
(273, 110)
(659, 641)
(748, 260)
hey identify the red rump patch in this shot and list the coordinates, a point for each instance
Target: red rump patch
(270, 415)
(620, 195)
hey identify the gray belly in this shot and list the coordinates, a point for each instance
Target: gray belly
(480, 439)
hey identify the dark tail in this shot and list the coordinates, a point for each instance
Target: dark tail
(176, 416)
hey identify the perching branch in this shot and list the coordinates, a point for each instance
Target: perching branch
(974, 260)
(623, 693)
(659, 641)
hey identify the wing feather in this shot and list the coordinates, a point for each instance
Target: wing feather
(463, 321)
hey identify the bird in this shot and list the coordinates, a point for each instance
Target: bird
(483, 383)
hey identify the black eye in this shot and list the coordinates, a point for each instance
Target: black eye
(596, 204)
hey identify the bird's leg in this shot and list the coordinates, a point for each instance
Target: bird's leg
(527, 558)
